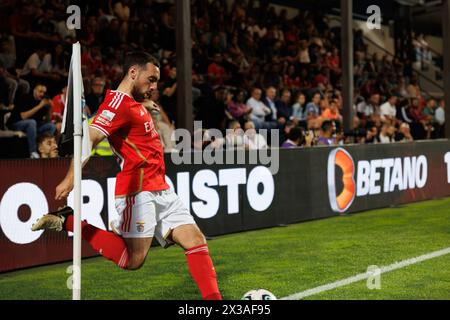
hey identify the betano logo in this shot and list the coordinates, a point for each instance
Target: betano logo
(341, 158)
(372, 177)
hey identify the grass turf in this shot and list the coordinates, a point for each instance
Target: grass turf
(282, 260)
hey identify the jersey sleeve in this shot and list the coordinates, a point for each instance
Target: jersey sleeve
(109, 119)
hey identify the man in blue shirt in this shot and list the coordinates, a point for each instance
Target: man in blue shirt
(312, 110)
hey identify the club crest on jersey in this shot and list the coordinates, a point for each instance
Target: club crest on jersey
(140, 226)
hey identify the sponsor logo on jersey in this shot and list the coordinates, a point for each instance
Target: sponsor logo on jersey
(103, 121)
(108, 115)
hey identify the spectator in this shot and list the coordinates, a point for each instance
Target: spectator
(421, 126)
(312, 110)
(439, 119)
(213, 113)
(91, 61)
(234, 139)
(303, 53)
(372, 135)
(388, 110)
(404, 134)
(121, 10)
(38, 68)
(20, 21)
(332, 112)
(45, 25)
(4, 90)
(291, 79)
(47, 146)
(367, 109)
(333, 62)
(284, 134)
(169, 93)
(60, 61)
(298, 108)
(216, 72)
(294, 140)
(32, 115)
(58, 106)
(385, 134)
(439, 115)
(110, 36)
(259, 110)
(401, 88)
(414, 90)
(327, 131)
(269, 101)
(14, 83)
(283, 105)
(237, 107)
(430, 109)
(95, 98)
(252, 139)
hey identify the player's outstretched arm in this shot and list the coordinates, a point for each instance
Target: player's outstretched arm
(66, 186)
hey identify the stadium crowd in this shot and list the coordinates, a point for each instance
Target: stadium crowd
(253, 68)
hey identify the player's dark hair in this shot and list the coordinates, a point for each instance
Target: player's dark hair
(140, 59)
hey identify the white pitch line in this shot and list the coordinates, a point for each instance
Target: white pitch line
(366, 275)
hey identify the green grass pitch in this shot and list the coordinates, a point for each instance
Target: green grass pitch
(283, 260)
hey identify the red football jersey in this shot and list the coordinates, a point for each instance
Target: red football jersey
(133, 138)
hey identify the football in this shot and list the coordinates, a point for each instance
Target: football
(259, 294)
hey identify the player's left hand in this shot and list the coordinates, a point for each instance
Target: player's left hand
(152, 107)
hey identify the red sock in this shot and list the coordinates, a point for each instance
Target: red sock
(202, 270)
(108, 244)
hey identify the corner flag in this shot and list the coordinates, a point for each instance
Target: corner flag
(75, 137)
(66, 142)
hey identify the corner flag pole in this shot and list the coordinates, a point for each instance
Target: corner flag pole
(78, 133)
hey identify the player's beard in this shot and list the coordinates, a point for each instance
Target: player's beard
(138, 95)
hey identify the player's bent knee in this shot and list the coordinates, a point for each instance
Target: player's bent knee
(134, 266)
(195, 241)
(136, 262)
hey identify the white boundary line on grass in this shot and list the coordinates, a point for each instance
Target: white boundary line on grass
(364, 276)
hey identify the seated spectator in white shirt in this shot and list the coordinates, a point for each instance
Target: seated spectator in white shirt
(388, 110)
(38, 69)
(269, 101)
(385, 134)
(253, 140)
(259, 110)
(234, 140)
(369, 108)
(439, 115)
(439, 120)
